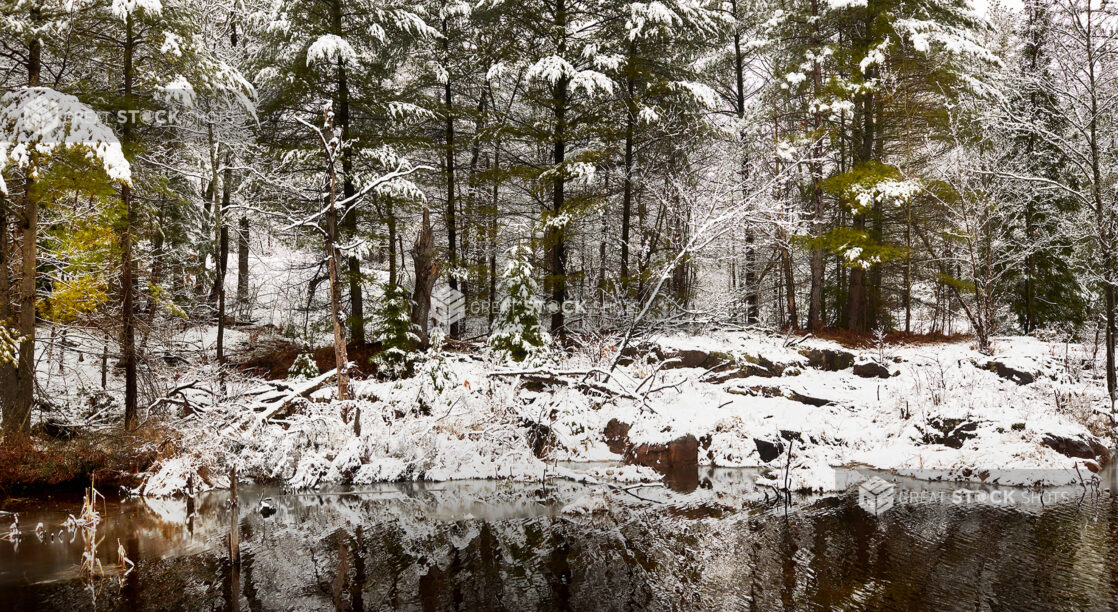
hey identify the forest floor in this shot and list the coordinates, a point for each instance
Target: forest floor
(1032, 413)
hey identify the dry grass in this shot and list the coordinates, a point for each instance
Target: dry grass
(858, 340)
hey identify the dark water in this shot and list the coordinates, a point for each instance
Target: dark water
(489, 545)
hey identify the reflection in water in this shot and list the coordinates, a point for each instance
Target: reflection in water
(490, 545)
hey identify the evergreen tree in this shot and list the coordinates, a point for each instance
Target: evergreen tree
(518, 333)
(395, 332)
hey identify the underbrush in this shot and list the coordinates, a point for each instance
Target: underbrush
(111, 459)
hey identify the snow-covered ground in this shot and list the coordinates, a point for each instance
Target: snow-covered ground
(1028, 414)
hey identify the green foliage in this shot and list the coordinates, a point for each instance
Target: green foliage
(303, 368)
(395, 333)
(517, 332)
(857, 247)
(962, 285)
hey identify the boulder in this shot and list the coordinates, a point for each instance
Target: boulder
(664, 458)
(695, 358)
(818, 402)
(827, 359)
(767, 450)
(948, 432)
(616, 435)
(745, 371)
(771, 391)
(1007, 372)
(871, 369)
(1079, 447)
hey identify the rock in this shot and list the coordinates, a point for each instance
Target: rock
(768, 451)
(1020, 377)
(687, 358)
(741, 372)
(871, 369)
(616, 434)
(827, 359)
(644, 349)
(796, 396)
(765, 366)
(790, 435)
(694, 358)
(770, 391)
(949, 432)
(1079, 447)
(681, 452)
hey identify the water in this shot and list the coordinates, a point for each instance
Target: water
(510, 546)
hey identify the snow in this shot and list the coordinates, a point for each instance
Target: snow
(35, 121)
(331, 48)
(124, 8)
(454, 421)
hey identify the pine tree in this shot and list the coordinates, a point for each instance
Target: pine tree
(395, 332)
(518, 333)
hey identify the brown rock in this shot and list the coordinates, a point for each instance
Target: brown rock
(827, 359)
(1079, 447)
(871, 369)
(683, 451)
(616, 434)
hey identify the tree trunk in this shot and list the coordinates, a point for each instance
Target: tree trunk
(451, 220)
(340, 357)
(627, 185)
(556, 228)
(19, 422)
(426, 271)
(242, 267)
(7, 370)
(815, 301)
(128, 314)
(17, 415)
(390, 221)
(349, 219)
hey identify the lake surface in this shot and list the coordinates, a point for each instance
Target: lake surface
(722, 544)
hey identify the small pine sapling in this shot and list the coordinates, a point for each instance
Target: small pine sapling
(396, 333)
(304, 368)
(517, 332)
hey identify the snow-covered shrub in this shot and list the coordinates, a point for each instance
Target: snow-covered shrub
(395, 332)
(518, 333)
(304, 368)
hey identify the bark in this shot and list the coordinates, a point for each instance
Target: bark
(242, 266)
(752, 288)
(18, 420)
(556, 231)
(451, 220)
(627, 186)
(332, 255)
(426, 271)
(222, 230)
(493, 236)
(390, 221)
(7, 371)
(128, 311)
(815, 301)
(349, 220)
(17, 414)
